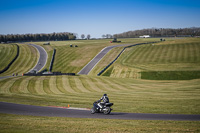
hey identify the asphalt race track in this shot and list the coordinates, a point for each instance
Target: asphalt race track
(97, 58)
(20, 109)
(42, 59)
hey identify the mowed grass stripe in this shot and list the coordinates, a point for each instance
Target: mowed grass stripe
(5, 87)
(33, 58)
(7, 53)
(31, 86)
(15, 86)
(93, 85)
(112, 86)
(166, 57)
(46, 86)
(64, 54)
(73, 84)
(86, 84)
(148, 50)
(18, 64)
(80, 85)
(53, 86)
(23, 87)
(192, 54)
(151, 54)
(4, 52)
(99, 85)
(104, 86)
(66, 84)
(25, 61)
(60, 55)
(39, 86)
(63, 61)
(156, 53)
(196, 52)
(121, 84)
(59, 84)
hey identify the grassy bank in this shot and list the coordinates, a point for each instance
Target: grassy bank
(26, 60)
(32, 124)
(139, 96)
(167, 57)
(128, 91)
(7, 54)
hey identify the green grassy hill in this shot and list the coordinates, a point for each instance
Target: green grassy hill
(124, 86)
(166, 57)
(7, 54)
(141, 96)
(26, 60)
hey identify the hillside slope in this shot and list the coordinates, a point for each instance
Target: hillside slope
(172, 55)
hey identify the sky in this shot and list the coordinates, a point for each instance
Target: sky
(96, 17)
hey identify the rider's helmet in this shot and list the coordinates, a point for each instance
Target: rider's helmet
(104, 94)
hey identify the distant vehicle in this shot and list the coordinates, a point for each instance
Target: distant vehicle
(144, 36)
(114, 40)
(47, 43)
(47, 73)
(34, 71)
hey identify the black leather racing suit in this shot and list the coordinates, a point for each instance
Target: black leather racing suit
(105, 99)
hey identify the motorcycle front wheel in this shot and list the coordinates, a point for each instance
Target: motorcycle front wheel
(93, 110)
(107, 110)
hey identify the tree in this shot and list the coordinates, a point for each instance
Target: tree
(88, 36)
(108, 36)
(82, 36)
(103, 36)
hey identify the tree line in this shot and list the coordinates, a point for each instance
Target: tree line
(83, 36)
(161, 32)
(37, 37)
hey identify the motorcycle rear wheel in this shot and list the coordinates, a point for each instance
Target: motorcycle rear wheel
(107, 110)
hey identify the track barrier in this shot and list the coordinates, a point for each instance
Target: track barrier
(52, 60)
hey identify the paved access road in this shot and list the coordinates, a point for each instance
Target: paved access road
(11, 108)
(42, 59)
(97, 58)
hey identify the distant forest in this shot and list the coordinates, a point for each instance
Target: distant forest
(37, 37)
(161, 32)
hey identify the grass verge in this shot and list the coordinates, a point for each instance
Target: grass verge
(23, 124)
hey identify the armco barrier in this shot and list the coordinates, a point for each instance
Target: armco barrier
(119, 55)
(52, 60)
(7, 67)
(49, 74)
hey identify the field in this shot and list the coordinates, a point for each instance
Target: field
(123, 84)
(178, 56)
(32, 124)
(7, 53)
(26, 60)
(140, 96)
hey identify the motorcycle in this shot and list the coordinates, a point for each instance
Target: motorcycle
(105, 108)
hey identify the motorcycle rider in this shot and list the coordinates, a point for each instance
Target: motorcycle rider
(105, 100)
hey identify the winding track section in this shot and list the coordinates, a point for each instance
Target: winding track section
(97, 58)
(41, 62)
(20, 109)
(42, 59)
